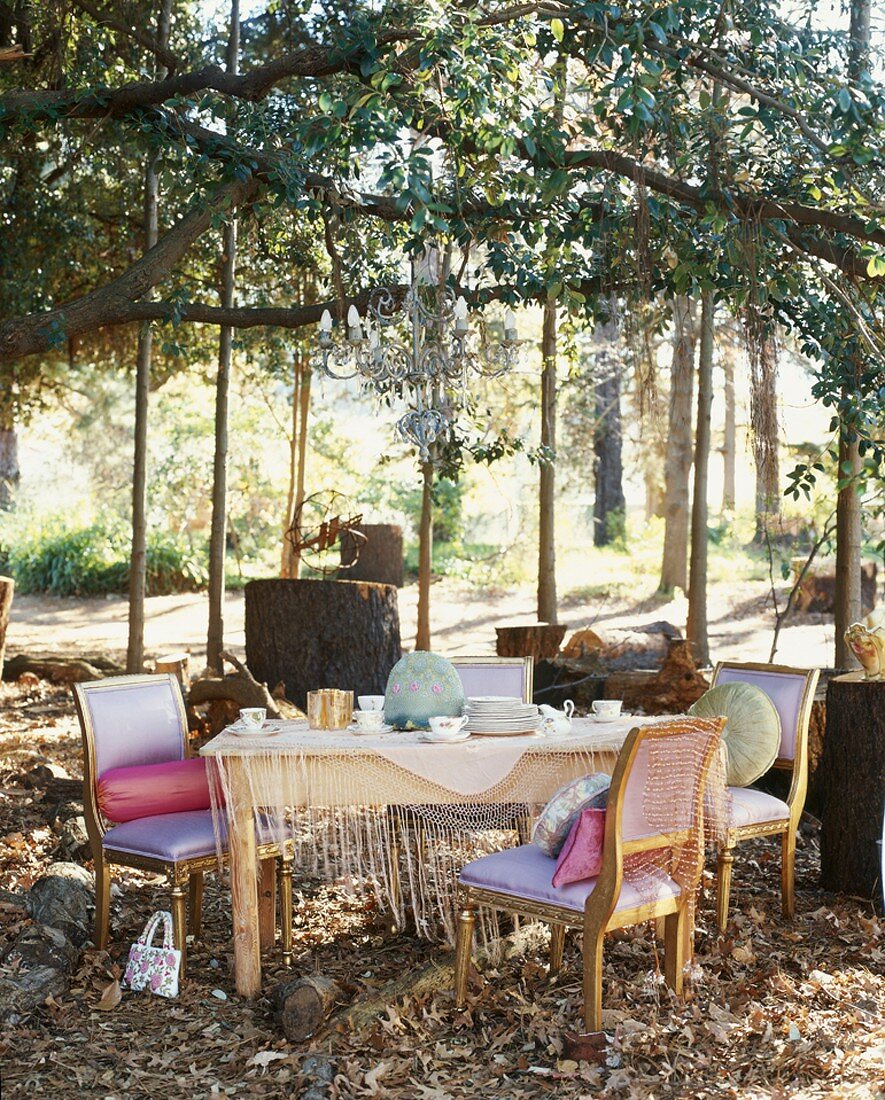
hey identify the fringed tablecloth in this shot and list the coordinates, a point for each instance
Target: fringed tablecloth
(402, 813)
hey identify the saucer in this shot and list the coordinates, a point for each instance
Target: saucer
(360, 732)
(240, 730)
(443, 738)
(611, 717)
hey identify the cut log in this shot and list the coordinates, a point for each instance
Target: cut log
(302, 1004)
(322, 634)
(538, 640)
(176, 663)
(240, 689)
(56, 669)
(379, 558)
(818, 589)
(606, 650)
(7, 588)
(851, 784)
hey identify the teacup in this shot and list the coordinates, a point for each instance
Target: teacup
(253, 717)
(447, 725)
(371, 702)
(369, 719)
(607, 708)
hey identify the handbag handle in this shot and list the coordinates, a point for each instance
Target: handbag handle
(147, 935)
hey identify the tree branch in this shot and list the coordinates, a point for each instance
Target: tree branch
(162, 53)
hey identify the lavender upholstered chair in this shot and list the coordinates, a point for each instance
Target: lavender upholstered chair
(669, 825)
(132, 720)
(496, 676)
(754, 813)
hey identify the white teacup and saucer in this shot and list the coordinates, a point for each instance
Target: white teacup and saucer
(369, 721)
(446, 727)
(608, 710)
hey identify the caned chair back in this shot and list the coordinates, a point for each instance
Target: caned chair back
(792, 692)
(496, 676)
(130, 720)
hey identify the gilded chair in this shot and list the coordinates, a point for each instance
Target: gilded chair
(496, 676)
(651, 862)
(128, 721)
(754, 813)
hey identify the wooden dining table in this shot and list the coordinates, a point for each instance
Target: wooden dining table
(292, 767)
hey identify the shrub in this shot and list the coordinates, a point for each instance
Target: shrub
(62, 560)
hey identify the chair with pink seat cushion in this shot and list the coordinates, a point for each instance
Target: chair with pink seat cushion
(648, 817)
(755, 813)
(135, 749)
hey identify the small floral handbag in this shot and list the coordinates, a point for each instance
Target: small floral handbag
(154, 968)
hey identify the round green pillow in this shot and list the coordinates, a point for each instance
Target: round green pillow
(422, 685)
(752, 735)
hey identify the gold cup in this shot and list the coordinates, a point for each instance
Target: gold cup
(329, 709)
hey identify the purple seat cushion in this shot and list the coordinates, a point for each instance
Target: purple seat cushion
(525, 872)
(170, 837)
(751, 807)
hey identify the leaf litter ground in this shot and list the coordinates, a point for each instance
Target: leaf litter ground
(777, 1009)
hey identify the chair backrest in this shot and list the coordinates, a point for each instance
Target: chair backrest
(792, 692)
(496, 676)
(129, 720)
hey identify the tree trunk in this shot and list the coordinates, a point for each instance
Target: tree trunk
(7, 589)
(539, 640)
(425, 558)
(547, 472)
(848, 516)
(379, 558)
(322, 634)
(10, 474)
(696, 627)
(138, 552)
(608, 504)
(218, 537)
(763, 414)
(291, 558)
(729, 439)
(677, 466)
(851, 782)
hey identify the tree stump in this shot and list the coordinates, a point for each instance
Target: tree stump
(539, 640)
(380, 557)
(322, 634)
(851, 781)
(7, 587)
(644, 648)
(302, 1004)
(818, 589)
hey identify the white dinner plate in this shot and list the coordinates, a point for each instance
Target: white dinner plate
(505, 733)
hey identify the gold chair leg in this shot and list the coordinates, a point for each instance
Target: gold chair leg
(267, 902)
(723, 885)
(593, 980)
(195, 904)
(178, 925)
(463, 944)
(677, 936)
(788, 872)
(102, 903)
(557, 943)
(286, 909)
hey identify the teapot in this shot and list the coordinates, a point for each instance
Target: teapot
(868, 646)
(557, 721)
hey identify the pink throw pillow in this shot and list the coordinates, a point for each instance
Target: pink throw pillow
(581, 855)
(172, 787)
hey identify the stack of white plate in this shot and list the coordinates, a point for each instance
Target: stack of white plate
(501, 715)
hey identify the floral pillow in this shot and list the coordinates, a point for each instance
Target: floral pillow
(581, 855)
(564, 808)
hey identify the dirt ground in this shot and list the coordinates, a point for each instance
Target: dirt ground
(463, 621)
(777, 1008)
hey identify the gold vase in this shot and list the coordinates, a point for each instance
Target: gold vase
(329, 709)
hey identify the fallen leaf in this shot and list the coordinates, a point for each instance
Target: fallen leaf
(111, 996)
(264, 1058)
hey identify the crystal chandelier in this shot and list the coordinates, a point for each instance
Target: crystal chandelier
(419, 348)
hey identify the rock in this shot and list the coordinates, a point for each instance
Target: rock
(21, 995)
(40, 946)
(63, 898)
(73, 837)
(41, 775)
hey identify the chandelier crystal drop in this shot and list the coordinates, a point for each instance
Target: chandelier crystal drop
(418, 348)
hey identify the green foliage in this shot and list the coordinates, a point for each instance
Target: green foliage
(59, 558)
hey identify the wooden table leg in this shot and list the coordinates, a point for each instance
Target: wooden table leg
(267, 903)
(243, 885)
